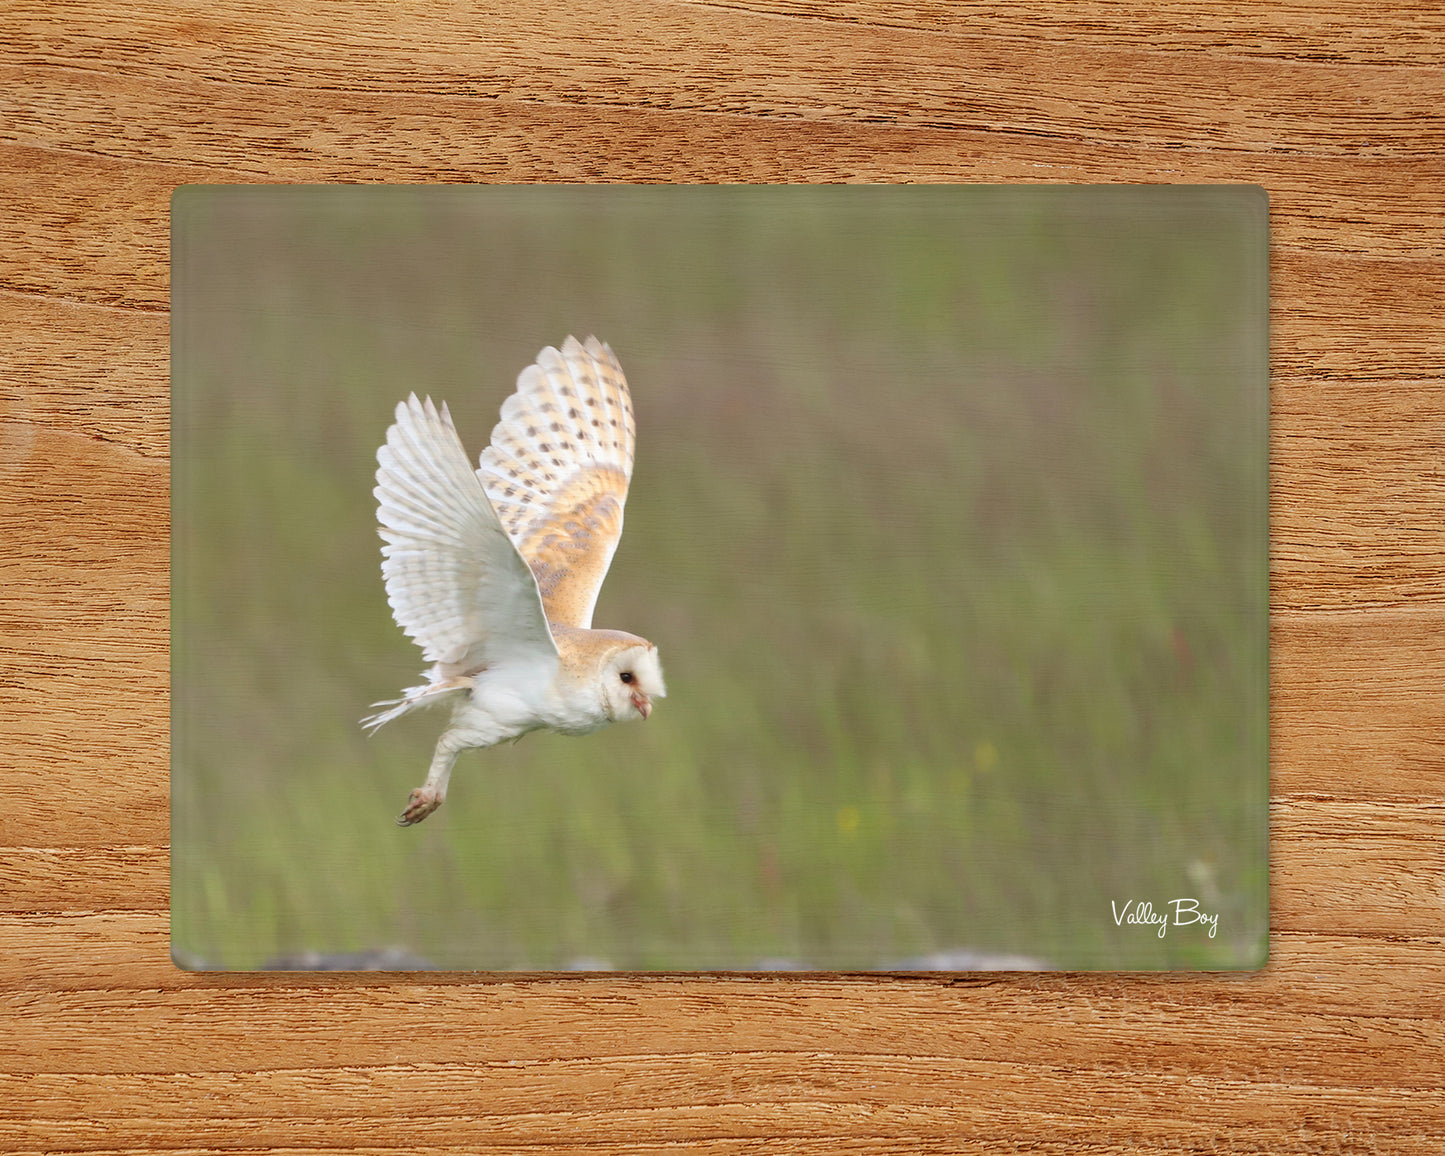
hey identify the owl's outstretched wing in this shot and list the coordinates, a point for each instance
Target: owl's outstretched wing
(455, 581)
(557, 472)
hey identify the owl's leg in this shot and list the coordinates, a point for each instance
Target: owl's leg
(428, 797)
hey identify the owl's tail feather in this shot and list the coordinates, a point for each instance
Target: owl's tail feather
(413, 698)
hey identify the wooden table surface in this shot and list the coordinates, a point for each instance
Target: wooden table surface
(1338, 1046)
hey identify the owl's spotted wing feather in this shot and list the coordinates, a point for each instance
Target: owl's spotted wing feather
(557, 472)
(455, 581)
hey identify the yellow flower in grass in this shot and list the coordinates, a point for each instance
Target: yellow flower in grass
(848, 820)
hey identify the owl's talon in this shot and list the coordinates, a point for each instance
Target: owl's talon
(422, 803)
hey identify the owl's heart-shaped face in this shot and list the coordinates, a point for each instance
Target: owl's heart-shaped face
(631, 678)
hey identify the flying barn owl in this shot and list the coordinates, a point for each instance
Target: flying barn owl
(494, 572)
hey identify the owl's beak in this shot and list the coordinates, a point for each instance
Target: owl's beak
(643, 704)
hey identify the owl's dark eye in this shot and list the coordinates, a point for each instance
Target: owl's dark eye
(627, 676)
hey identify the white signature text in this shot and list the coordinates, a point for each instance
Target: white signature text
(1186, 913)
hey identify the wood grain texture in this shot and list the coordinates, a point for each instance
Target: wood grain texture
(1334, 108)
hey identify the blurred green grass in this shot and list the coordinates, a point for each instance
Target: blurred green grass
(949, 519)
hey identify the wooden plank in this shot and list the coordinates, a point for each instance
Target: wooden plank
(84, 643)
(1118, 1027)
(1346, 535)
(102, 878)
(1354, 703)
(88, 370)
(1333, 32)
(743, 1098)
(1120, 92)
(1372, 866)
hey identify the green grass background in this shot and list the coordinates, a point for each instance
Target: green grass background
(949, 519)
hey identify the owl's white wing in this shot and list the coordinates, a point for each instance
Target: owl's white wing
(456, 584)
(558, 469)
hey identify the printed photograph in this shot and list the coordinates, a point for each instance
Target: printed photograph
(739, 578)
